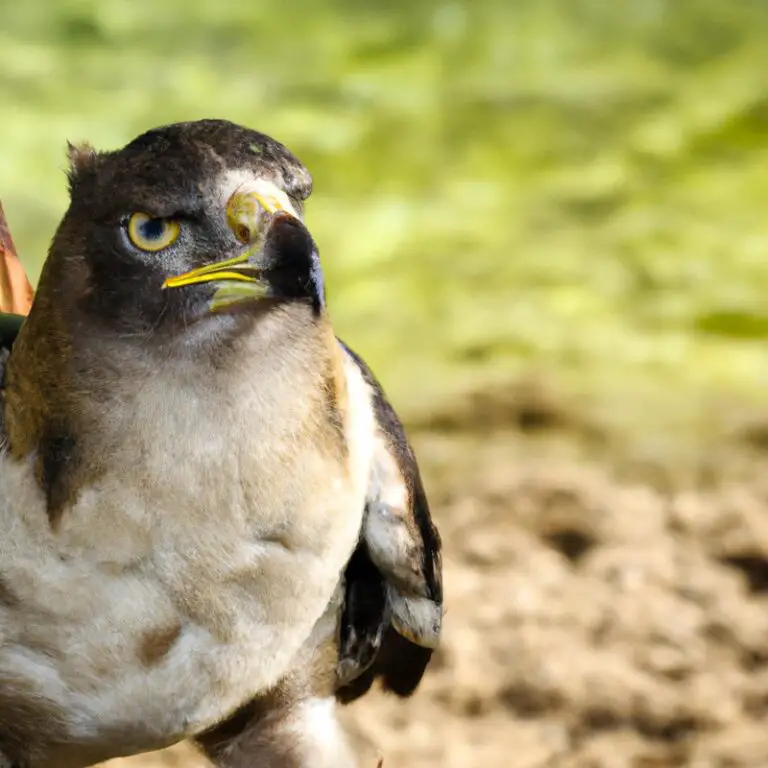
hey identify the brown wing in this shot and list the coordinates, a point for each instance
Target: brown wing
(393, 604)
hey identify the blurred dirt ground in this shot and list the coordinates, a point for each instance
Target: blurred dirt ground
(604, 610)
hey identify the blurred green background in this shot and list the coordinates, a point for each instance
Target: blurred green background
(574, 190)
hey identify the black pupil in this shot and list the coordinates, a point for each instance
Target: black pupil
(152, 229)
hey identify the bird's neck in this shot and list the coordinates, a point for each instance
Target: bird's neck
(80, 405)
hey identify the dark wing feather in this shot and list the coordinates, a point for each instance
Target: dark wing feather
(393, 602)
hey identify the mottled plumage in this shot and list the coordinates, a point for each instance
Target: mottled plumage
(213, 522)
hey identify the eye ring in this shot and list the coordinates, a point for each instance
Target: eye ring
(152, 233)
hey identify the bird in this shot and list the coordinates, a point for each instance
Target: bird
(214, 525)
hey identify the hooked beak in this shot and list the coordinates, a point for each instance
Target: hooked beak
(241, 278)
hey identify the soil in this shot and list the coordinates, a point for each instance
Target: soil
(602, 612)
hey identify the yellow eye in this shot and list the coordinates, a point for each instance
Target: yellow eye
(152, 234)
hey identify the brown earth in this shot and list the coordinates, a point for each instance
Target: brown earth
(602, 611)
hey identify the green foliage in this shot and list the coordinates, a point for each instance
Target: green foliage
(575, 187)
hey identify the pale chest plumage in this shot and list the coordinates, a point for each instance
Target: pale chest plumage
(183, 582)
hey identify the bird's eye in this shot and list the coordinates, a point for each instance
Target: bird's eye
(152, 234)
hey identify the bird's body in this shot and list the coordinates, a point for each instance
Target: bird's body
(131, 620)
(188, 471)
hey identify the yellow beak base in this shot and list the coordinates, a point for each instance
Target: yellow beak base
(237, 281)
(232, 269)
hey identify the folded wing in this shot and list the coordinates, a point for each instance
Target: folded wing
(393, 603)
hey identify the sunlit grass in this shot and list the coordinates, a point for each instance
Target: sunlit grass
(576, 188)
